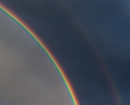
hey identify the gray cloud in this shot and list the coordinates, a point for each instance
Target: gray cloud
(106, 22)
(27, 75)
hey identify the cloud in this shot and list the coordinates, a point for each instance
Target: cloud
(106, 22)
(27, 75)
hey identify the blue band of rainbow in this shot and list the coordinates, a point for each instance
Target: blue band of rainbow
(60, 70)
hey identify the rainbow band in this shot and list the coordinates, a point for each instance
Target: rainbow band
(115, 93)
(46, 50)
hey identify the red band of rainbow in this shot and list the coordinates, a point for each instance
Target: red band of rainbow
(46, 50)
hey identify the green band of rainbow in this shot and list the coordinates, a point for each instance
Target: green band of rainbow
(46, 50)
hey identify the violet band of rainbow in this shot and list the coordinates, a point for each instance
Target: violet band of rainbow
(60, 70)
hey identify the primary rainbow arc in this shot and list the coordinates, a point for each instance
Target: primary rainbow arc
(46, 50)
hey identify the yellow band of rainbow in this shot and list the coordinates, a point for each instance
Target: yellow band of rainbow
(46, 50)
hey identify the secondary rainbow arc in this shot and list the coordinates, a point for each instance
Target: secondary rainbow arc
(63, 75)
(114, 89)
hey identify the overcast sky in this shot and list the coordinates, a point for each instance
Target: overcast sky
(84, 35)
(27, 75)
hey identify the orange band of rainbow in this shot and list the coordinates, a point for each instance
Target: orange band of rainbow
(46, 49)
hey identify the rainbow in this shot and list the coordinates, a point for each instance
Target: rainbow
(110, 80)
(60, 70)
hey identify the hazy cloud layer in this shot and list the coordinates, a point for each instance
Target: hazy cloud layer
(106, 22)
(26, 73)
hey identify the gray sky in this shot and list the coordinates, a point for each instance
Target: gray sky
(105, 22)
(27, 76)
